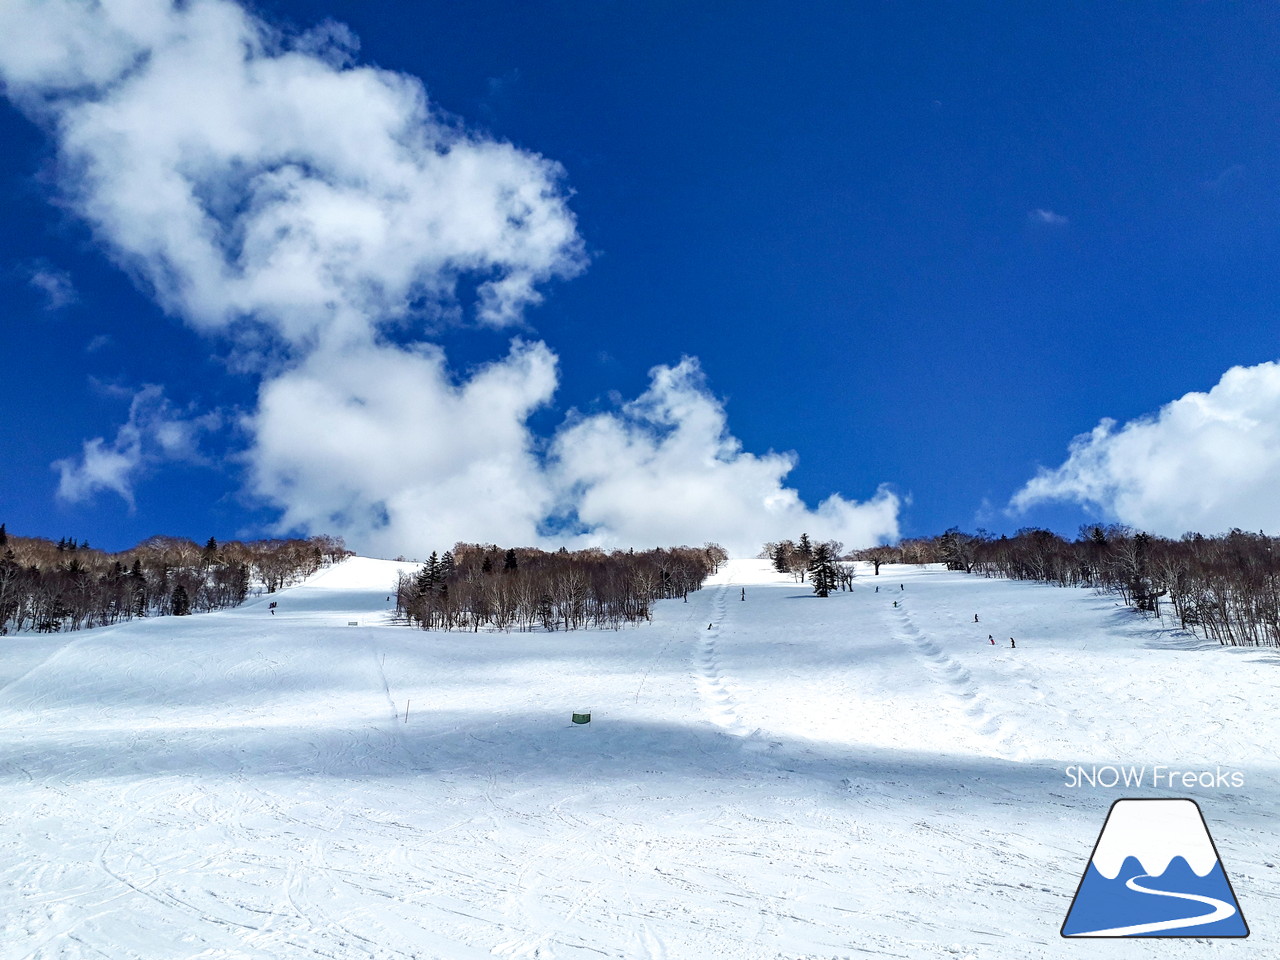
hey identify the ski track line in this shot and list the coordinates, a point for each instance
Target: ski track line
(648, 945)
(959, 684)
(963, 624)
(717, 695)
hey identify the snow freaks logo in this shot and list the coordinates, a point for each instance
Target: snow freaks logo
(1158, 776)
(1154, 872)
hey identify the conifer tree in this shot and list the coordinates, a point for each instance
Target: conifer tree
(781, 562)
(805, 548)
(822, 571)
(509, 563)
(180, 602)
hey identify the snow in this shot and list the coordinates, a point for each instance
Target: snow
(809, 778)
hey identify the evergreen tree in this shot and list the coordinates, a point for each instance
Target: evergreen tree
(805, 548)
(509, 563)
(4, 537)
(428, 576)
(138, 589)
(781, 560)
(242, 582)
(180, 602)
(822, 571)
(487, 566)
(804, 555)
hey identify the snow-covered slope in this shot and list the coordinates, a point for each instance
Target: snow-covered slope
(780, 776)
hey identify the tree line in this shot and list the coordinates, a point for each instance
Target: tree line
(476, 586)
(1225, 587)
(822, 562)
(67, 585)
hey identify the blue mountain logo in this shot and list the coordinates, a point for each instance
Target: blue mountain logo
(1154, 872)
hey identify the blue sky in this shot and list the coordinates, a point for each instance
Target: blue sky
(921, 252)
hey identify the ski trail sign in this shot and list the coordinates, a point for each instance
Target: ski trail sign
(1154, 872)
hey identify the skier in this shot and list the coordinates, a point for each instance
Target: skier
(744, 593)
(895, 603)
(877, 589)
(975, 618)
(992, 639)
(708, 626)
(902, 586)
(1011, 643)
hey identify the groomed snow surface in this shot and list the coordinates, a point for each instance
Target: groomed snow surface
(808, 778)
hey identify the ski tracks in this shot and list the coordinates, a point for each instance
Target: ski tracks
(960, 686)
(714, 687)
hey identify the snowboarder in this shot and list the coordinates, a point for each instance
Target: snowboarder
(1011, 643)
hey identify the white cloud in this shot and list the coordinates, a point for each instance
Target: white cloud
(154, 433)
(55, 285)
(306, 212)
(382, 446)
(244, 179)
(1048, 217)
(385, 448)
(666, 469)
(1206, 461)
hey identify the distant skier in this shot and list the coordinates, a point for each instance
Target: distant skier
(708, 626)
(895, 603)
(877, 589)
(744, 593)
(975, 618)
(1012, 644)
(902, 586)
(992, 639)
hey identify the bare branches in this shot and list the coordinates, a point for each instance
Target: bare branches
(485, 586)
(1227, 587)
(52, 587)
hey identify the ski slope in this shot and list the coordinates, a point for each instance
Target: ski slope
(807, 778)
